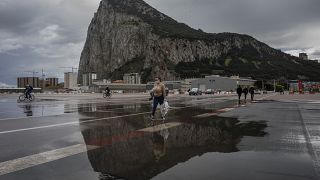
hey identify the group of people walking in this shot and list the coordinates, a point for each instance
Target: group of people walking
(245, 91)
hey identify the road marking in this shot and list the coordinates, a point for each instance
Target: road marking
(18, 118)
(41, 158)
(225, 109)
(49, 156)
(71, 123)
(66, 110)
(310, 147)
(161, 127)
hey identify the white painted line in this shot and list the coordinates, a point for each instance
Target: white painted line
(314, 102)
(71, 123)
(225, 109)
(316, 160)
(160, 127)
(70, 109)
(41, 158)
(18, 118)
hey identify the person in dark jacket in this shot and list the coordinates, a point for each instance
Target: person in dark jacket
(107, 90)
(245, 92)
(239, 92)
(28, 90)
(251, 91)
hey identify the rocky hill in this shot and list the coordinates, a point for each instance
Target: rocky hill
(131, 36)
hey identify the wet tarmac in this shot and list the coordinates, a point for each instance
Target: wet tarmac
(204, 137)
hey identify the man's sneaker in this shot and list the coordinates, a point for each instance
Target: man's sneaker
(163, 117)
(152, 117)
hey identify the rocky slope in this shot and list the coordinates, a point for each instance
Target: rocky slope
(131, 36)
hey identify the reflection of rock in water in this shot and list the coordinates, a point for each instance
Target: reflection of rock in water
(129, 154)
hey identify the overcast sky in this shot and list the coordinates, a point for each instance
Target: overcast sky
(50, 34)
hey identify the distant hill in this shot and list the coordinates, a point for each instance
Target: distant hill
(131, 36)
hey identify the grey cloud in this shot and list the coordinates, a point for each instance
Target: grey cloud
(38, 34)
(242, 16)
(283, 24)
(316, 53)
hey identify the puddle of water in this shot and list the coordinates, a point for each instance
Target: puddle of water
(129, 154)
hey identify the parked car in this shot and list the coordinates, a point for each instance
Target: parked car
(195, 92)
(209, 91)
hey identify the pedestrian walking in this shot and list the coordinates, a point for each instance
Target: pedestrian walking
(158, 96)
(245, 92)
(239, 92)
(251, 91)
(281, 91)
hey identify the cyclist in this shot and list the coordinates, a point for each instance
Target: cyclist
(28, 90)
(107, 91)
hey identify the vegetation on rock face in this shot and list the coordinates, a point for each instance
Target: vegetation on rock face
(272, 69)
(132, 66)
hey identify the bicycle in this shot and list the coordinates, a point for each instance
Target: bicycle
(107, 95)
(24, 97)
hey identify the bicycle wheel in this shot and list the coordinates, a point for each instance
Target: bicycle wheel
(109, 96)
(22, 97)
(31, 97)
(104, 95)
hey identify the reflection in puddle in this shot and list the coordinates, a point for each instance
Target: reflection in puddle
(27, 109)
(129, 153)
(132, 106)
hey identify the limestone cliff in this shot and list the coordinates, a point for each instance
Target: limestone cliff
(131, 36)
